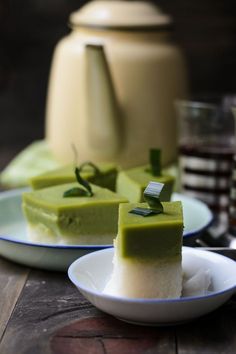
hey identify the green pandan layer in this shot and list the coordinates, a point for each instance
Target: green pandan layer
(153, 237)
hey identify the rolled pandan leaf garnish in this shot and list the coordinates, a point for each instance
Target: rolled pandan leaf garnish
(83, 182)
(91, 165)
(152, 197)
(155, 161)
(77, 191)
(142, 211)
(84, 164)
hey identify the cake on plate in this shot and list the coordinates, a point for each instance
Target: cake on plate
(103, 175)
(132, 182)
(55, 216)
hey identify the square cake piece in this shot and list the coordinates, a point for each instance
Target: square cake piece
(81, 220)
(147, 260)
(132, 183)
(106, 178)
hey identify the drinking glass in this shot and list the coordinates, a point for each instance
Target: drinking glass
(206, 148)
(232, 207)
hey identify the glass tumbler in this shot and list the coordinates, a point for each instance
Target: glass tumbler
(232, 207)
(206, 147)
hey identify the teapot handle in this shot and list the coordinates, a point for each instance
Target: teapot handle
(103, 124)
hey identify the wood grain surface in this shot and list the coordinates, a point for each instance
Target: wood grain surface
(52, 317)
(12, 280)
(211, 334)
(48, 302)
(43, 313)
(105, 334)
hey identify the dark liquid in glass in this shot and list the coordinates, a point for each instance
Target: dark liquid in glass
(218, 153)
(212, 165)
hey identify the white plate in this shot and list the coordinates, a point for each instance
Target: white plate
(91, 273)
(15, 246)
(197, 215)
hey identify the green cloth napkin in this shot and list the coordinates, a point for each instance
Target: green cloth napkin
(33, 160)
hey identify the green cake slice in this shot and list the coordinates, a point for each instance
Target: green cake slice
(52, 218)
(147, 257)
(132, 183)
(155, 237)
(105, 178)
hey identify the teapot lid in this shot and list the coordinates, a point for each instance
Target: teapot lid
(122, 14)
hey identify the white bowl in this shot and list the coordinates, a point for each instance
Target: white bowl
(90, 274)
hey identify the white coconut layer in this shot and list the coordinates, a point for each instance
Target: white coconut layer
(140, 279)
(41, 234)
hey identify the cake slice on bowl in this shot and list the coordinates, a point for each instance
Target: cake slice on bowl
(103, 175)
(147, 257)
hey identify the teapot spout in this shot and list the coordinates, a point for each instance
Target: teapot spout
(103, 121)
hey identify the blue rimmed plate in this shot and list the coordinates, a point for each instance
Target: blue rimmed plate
(197, 215)
(91, 273)
(15, 246)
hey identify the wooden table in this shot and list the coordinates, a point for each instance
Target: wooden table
(42, 312)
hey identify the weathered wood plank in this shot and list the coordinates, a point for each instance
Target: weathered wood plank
(210, 334)
(107, 335)
(48, 301)
(12, 280)
(57, 320)
(51, 316)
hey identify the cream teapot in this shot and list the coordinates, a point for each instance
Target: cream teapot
(112, 85)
